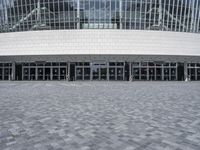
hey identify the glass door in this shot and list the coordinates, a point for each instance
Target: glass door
(79, 73)
(32, 73)
(166, 74)
(86, 73)
(112, 73)
(47, 73)
(99, 71)
(55, 74)
(159, 74)
(103, 73)
(120, 73)
(198, 73)
(95, 73)
(1, 74)
(63, 72)
(151, 74)
(136, 73)
(25, 73)
(40, 74)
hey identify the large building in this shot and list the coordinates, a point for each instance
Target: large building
(113, 40)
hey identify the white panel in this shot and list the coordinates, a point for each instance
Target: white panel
(131, 42)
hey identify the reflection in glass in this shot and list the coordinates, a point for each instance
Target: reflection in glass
(164, 15)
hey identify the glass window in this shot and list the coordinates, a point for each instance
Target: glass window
(164, 15)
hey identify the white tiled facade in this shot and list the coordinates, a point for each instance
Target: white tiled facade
(118, 54)
(99, 42)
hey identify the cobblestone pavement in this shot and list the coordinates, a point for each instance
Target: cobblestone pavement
(99, 116)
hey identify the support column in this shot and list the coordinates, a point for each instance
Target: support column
(38, 13)
(3, 72)
(195, 71)
(75, 78)
(5, 13)
(192, 25)
(91, 71)
(13, 71)
(107, 71)
(185, 72)
(120, 13)
(84, 74)
(140, 71)
(160, 15)
(124, 71)
(130, 72)
(22, 72)
(99, 72)
(51, 73)
(115, 72)
(59, 72)
(176, 71)
(170, 72)
(68, 71)
(78, 14)
(43, 73)
(148, 71)
(29, 73)
(36, 73)
(163, 73)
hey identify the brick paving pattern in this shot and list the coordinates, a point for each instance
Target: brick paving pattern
(99, 116)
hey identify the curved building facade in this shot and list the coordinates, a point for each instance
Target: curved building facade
(100, 40)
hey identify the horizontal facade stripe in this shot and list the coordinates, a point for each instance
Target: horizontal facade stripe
(99, 42)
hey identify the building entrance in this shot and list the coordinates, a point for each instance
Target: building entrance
(154, 71)
(82, 71)
(193, 71)
(100, 71)
(44, 71)
(5, 71)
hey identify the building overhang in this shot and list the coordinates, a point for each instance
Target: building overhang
(103, 58)
(99, 42)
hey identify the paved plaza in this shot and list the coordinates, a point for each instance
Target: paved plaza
(99, 116)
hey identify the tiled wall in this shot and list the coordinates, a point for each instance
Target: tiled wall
(99, 42)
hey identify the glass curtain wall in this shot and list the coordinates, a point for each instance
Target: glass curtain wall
(165, 15)
(5, 71)
(45, 71)
(193, 71)
(152, 71)
(100, 14)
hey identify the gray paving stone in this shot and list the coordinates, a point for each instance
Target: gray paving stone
(100, 116)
